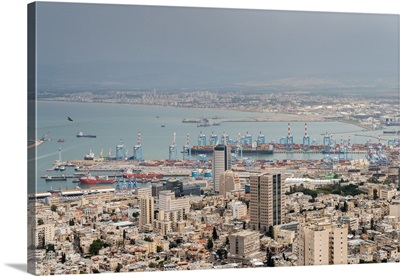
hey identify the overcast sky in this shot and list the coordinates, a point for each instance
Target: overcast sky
(124, 45)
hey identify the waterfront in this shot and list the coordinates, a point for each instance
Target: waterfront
(114, 122)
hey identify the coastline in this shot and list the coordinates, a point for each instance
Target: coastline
(35, 144)
(269, 117)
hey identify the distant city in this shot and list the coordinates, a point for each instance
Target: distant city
(296, 105)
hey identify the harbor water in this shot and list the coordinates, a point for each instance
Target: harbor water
(113, 123)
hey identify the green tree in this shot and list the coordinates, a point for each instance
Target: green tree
(132, 242)
(376, 194)
(95, 247)
(210, 244)
(63, 258)
(118, 269)
(215, 234)
(53, 208)
(40, 221)
(153, 265)
(270, 260)
(71, 222)
(271, 232)
(50, 247)
(95, 271)
(148, 239)
(159, 249)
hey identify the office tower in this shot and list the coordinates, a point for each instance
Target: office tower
(322, 243)
(222, 161)
(267, 201)
(228, 181)
(146, 217)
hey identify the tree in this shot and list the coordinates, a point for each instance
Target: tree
(95, 247)
(227, 241)
(148, 239)
(50, 247)
(40, 221)
(63, 258)
(118, 269)
(172, 245)
(159, 249)
(271, 231)
(215, 234)
(132, 242)
(71, 222)
(95, 271)
(53, 208)
(376, 194)
(210, 244)
(363, 230)
(270, 261)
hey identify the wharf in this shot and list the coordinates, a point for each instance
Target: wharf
(317, 152)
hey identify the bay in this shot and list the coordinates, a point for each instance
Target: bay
(113, 123)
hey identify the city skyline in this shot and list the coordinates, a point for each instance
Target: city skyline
(255, 201)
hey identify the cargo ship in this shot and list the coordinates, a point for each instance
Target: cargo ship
(81, 135)
(89, 179)
(130, 174)
(55, 178)
(391, 132)
(261, 149)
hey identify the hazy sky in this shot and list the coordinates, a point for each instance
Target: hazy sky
(88, 45)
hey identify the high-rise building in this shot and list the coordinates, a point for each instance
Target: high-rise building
(228, 181)
(267, 201)
(322, 243)
(146, 218)
(222, 161)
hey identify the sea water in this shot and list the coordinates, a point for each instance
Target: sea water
(114, 124)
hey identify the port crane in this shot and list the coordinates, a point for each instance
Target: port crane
(137, 149)
(173, 151)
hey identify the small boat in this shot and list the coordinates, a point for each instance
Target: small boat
(60, 140)
(162, 125)
(157, 117)
(89, 156)
(62, 168)
(81, 135)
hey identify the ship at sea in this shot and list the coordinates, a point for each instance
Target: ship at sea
(260, 149)
(81, 135)
(55, 178)
(89, 179)
(130, 174)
